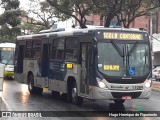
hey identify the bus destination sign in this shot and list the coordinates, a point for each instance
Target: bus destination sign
(122, 36)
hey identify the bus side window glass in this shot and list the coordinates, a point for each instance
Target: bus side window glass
(28, 49)
(36, 48)
(54, 45)
(60, 49)
(71, 49)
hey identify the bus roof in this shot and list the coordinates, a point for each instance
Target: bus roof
(12, 45)
(73, 31)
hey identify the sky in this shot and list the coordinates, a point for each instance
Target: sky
(23, 3)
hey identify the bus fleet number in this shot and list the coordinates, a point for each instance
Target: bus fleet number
(137, 87)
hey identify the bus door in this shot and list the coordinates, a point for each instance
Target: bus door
(45, 62)
(18, 68)
(85, 58)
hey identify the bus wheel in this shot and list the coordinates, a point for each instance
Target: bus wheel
(74, 96)
(32, 89)
(119, 101)
(55, 94)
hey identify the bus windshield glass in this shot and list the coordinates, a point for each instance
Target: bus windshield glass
(6, 56)
(123, 59)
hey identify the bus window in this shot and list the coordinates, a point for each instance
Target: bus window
(55, 43)
(36, 49)
(28, 49)
(71, 49)
(58, 49)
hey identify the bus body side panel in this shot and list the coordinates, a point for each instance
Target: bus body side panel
(74, 72)
(30, 66)
(18, 77)
(56, 76)
(18, 62)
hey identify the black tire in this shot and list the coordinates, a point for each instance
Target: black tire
(32, 89)
(75, 99)
(156, 78)
(55, 94)
(119, 102)
(64, 96)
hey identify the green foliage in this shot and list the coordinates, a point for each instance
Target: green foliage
(9, 20)
(125, 10)
(77, 9)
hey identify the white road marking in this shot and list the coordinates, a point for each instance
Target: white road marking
(154, 99)
(8, 107)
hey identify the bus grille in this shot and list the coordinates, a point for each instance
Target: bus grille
(120, 94)
(126, 81)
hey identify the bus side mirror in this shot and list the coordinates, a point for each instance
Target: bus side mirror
(94, 46)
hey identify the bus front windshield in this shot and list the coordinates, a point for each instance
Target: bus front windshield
(6, 56)
(123, 59)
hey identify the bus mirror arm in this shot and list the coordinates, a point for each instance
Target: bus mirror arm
(95, 51)
(94, 46)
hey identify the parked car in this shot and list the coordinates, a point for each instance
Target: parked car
(156, 74)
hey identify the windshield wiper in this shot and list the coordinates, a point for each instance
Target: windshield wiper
(133, 48)
(117, 49)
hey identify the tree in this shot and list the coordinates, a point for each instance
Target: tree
(9, 19)
(28, 24)
(108, 8)
(137, 8)
(125, 10)
(45, 14)
(77, 9)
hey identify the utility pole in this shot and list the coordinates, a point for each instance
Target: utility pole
(151, 39)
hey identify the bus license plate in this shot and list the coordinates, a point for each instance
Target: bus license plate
(126, 97)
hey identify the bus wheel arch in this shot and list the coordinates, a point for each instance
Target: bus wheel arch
(72, 92)
(32, 89)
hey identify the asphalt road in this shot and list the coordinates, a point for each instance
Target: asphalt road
(17, 98)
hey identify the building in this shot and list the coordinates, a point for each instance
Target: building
(140, 22)
(156, 23)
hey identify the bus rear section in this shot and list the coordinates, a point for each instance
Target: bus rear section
(98, 64)
(7, 51)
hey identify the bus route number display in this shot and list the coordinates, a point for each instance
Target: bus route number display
(7, 49)
(122, 36)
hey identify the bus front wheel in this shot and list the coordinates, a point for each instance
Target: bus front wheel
(32, 89)
(74, 95)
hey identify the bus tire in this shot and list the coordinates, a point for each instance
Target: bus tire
(55, 94)
(74, 95)
(119, 102)
(32, 89)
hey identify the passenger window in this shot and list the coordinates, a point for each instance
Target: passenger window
(71, 52)
(28, 49)
(36, 49)
(58, 49)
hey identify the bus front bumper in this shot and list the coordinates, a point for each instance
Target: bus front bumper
(106, 94)
(8, 73)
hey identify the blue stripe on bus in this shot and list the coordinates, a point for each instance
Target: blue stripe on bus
(57, 70)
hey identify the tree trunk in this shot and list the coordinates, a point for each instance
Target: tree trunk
(108, 19)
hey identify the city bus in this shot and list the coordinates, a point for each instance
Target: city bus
(7, 51)
(92, 63)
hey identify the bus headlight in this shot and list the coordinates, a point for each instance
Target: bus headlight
(101, 83)
(148, 83)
